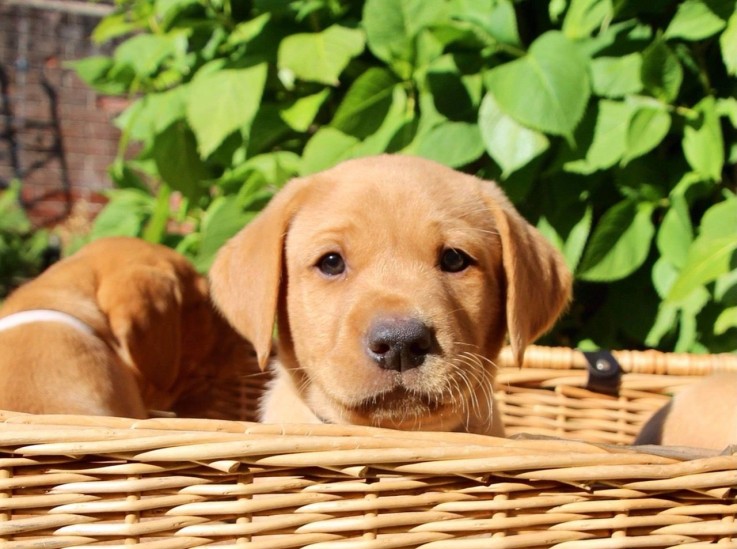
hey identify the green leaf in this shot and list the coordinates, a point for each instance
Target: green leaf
(616, 76)
(675, 233)
(497, 18)
(546, 90)
(665, 322)
(168, 10)
(95, 72)
(222, 220)
(577, 237)
(694, 20)
(320, 56)
(246, 31)
(662, 74)
(272, 169)
(646, 130)
(301, 113)
(456, 96)
(708, 259)
(223, 101)
(608, 144)
(509, 143)
(145, 53)
(664, 274)
(392, 26)
(366, 103)
(727, 107)
(725, 288)
(720, 219)
(124, 215)
(728, 44)
(620, 243)
(91, 69)
(13, 218)
(325, 149)
(396, 130)
(726, 320)
(111, 26)
(156, 226)
(585, 16)
(577, 228)
(454, 144)
(267, 129)
(153, 113)
(175, 154)
(428, 48)
(690, 308)
(703, 143)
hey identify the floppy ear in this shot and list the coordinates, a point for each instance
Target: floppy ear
(246, 275)
(538, 280)
(144, 308)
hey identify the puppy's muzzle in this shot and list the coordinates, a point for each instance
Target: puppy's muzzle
(399, 344)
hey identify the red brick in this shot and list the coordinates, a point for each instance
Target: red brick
(34, 46)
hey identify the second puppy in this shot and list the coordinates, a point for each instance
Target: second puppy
(119, 328)
(393, 281)
(702, 415)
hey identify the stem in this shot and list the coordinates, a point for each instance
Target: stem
(511, 50)
(156, 226)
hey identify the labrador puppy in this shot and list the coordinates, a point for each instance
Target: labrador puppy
(393, 281)
(703, 415)
(119, 328)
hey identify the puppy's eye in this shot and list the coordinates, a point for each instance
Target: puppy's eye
(454, 261)
(331, 264)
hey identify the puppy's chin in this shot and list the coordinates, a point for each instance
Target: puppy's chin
(410, 410)
(405, 410)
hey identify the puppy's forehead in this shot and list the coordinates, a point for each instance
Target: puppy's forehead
(383, 189)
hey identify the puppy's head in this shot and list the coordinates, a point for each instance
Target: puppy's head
(393, 281)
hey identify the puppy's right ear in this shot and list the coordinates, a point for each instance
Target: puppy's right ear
(538, 282)
(246, 274)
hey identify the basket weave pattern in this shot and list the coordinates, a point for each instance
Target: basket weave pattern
(548, 395)
(80, 481)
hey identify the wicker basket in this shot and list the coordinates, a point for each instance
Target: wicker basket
(81, 481)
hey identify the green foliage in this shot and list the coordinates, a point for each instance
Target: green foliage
(21, 247)
(612, 125)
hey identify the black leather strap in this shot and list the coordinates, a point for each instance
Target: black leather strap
(605, 373)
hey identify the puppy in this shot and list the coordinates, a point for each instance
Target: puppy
(703, 415)
(393, 281)
(119, 328)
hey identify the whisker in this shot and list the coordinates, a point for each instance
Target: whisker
(479, 380)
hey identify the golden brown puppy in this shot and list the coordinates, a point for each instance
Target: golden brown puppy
(393, 281)
(119, 328)
(703, 415)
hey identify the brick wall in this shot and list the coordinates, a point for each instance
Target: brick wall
(56, 135)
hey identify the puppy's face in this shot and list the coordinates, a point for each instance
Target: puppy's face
(394, 290)
(394, 281)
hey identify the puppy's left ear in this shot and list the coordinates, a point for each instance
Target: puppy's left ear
(247, 273)
(538, 280)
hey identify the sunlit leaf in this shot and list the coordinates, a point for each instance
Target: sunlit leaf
(703, 143)
(646, 130)
(694, 20)
(620, 243)
(320, 56)
(547, 89)
(508, 142)
(220, 102)
(451, 143)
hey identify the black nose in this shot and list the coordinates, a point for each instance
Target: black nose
(399, 344)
